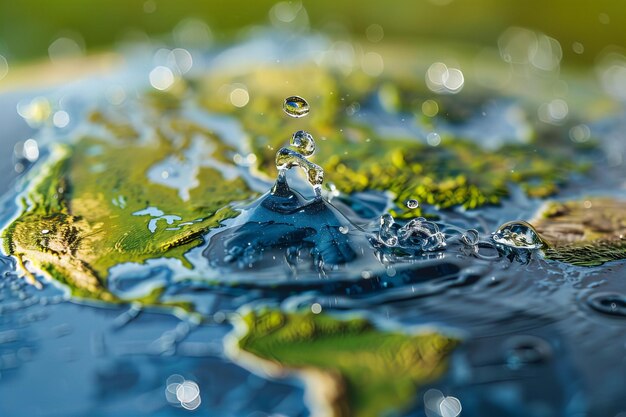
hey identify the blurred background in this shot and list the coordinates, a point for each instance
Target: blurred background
(29, 28)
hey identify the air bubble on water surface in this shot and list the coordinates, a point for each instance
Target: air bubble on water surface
(518, 234)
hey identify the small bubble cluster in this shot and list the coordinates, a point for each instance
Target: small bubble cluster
(418, 233)
(470, 238)
(412, 204)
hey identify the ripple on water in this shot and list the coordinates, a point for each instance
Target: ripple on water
(522, 350)
(609, 303)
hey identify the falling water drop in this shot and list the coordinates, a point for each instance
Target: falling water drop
(303, 142)
(412, 204)
(296, 106)
(518, 234)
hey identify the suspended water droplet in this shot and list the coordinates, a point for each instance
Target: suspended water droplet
(296, 106)
(470, 238)
(303, 142)
(518, 234)
(412, 204)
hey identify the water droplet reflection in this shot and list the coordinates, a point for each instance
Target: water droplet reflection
(518, 234)
(296, 106)
(412, 204)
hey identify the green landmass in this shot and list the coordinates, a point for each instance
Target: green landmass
(356, 368)
(77, 219)
(586, 232)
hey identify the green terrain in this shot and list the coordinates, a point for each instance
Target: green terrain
(585, 232)
(93, 205)
(356, 156)
(360, 370)
(78, 214)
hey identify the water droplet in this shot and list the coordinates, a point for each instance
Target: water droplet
(613, 304)
(296, 106)
(303, 142)
(412, 204)
(470, 238)
(518, 234)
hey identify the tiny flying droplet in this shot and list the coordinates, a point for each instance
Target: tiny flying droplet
(412, 204)
(296, 106)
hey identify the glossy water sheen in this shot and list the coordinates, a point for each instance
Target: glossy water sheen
(539, 337)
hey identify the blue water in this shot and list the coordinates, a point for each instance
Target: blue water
(540, 338)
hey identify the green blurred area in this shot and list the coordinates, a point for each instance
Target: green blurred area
(27, 27)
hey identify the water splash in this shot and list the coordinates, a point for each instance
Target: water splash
(282, 228)
(296, 106)
(518, 234)
(418, 235)
(304, 146)
(470, 238)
